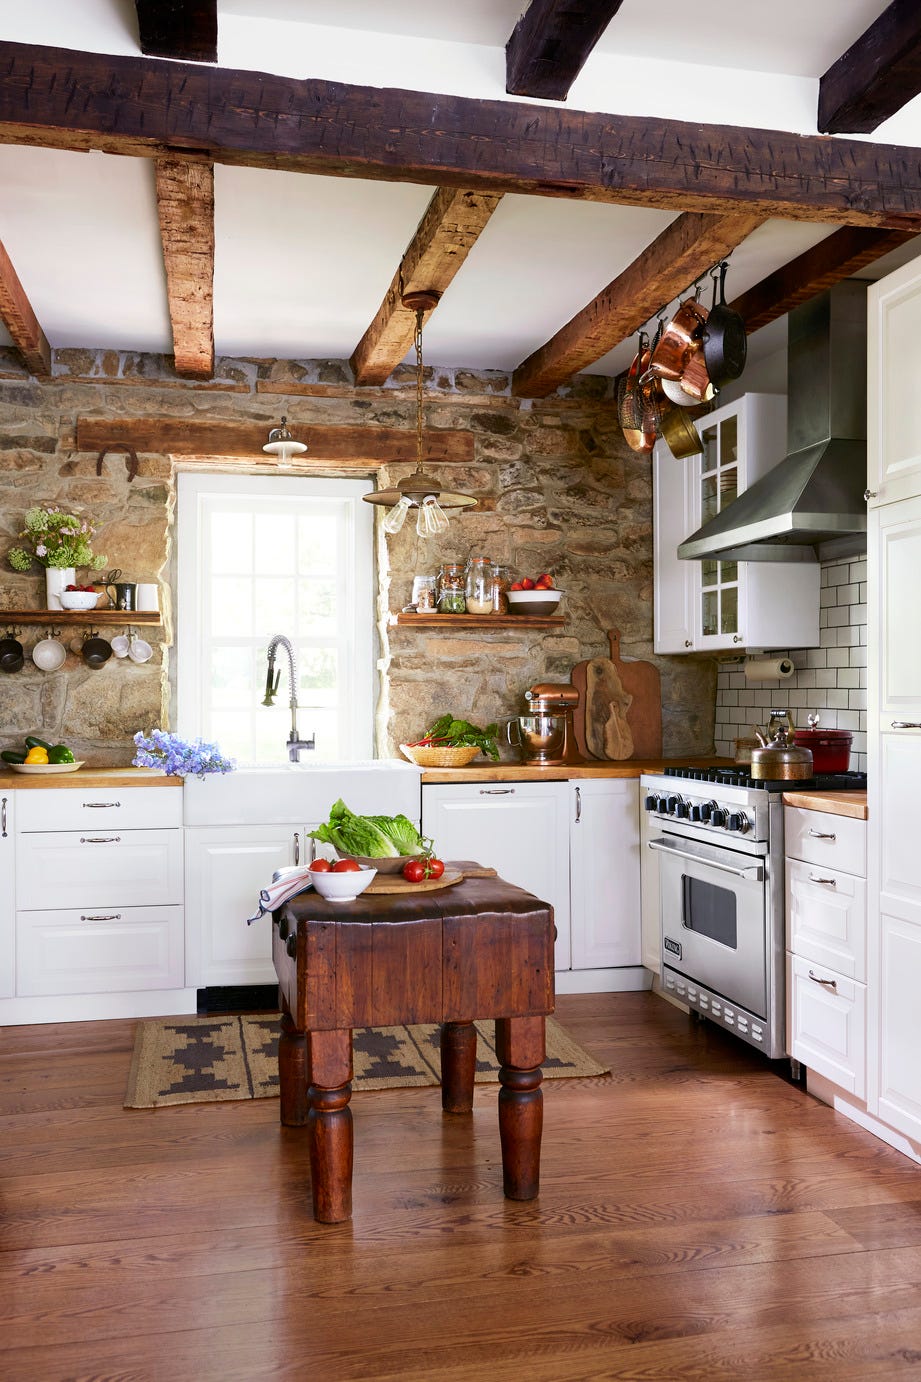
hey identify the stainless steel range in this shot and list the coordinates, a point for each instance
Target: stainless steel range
(721, 879)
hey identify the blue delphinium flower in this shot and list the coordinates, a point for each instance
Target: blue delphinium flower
(179, 757)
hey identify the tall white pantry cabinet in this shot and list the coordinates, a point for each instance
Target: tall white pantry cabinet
(894, 704)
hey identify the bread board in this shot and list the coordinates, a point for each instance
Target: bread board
(391, 885)
(620, 710)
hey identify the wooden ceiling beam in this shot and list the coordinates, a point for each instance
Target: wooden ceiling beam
(142, 106)
(21, 322)
(445, 236)
(185, 205)
(184, 29)
(877, 75)
(839, 256)
(685, 249)
(550, 43)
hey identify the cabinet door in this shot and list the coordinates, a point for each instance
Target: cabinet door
(674, 592)
(826, 1023)
(893, 397)
(604, 863)
(225, 868)
(720, 480)
(520, 829)
(120, 951)
(894, 570)
(7, 897)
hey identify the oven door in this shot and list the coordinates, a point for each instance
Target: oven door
(714, 919)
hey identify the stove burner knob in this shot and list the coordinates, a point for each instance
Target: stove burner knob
(654, 802)
(737, 821)
(671, 805)
(681, 810)
(718, 816)
(696, 812)
(707, 809)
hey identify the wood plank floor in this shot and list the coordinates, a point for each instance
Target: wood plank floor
(699, 1217)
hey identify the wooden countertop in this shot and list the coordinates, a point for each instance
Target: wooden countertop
(88, 777)
(853, 804)
(527, 772)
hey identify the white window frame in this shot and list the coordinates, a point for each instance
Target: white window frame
(358, 635)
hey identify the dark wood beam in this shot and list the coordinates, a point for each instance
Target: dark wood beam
(141, 106)
(185, 204)
(839, 256)
(876, 76)
(685, 250)
(21, 322)
(185, 29)
(550, 43)
(445, 236)
(346, 448)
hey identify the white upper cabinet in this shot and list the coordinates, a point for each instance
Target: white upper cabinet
(713, 605)
(893, 396)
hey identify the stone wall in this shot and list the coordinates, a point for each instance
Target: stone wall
(558, 490)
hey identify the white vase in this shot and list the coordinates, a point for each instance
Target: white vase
(56, 579)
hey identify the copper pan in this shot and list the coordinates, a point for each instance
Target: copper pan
(637, 424)
(680, 338)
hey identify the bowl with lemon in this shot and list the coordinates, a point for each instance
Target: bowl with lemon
(38, 756)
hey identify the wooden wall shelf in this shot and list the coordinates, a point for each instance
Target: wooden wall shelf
(63, 617)
(483, 622)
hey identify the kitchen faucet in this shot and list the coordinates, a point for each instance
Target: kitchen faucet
(295, 742)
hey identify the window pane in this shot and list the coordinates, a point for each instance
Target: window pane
(275, 544)
(317, 668)
(729, 618)
(231, 611)
(317, 544)
(231, 542)
(729, 485)
(729, 440)
(709, 499)
(708, 570)
(708, 459)
(729, 571)
(232, 681)
(273, 605)
(317, 604)
(710, 608)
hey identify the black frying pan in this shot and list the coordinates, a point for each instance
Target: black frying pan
(724, 338)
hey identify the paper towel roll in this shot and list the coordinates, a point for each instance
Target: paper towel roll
(768, 668)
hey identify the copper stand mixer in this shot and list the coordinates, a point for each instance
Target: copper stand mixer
(545, 735)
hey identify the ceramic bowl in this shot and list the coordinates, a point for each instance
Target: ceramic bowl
(78, 599)
(48, 654)
(534, 601)
(343, 887)
(139, 650)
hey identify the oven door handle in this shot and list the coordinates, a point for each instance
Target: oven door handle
(753, 871)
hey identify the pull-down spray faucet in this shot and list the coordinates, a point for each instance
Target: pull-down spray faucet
(272, 678)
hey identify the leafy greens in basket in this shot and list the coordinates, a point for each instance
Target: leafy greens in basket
(372, 837)
(448, 733)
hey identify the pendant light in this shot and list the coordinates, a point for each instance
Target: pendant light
(282, 444)
(419, 490)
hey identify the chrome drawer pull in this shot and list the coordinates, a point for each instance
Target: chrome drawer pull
(826, 983)
(905, 724)
(297, 847)
(578, 805)
(3, 819)
(497, 791)
(100, 805)
(100, 839)
(832, 882)
(822, 835)
(108, 916)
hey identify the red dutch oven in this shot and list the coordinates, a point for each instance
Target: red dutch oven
(831, 748)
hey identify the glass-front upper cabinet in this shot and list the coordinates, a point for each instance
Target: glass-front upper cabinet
(718, 479)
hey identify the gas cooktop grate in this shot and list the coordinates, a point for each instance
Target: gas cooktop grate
(739, 777)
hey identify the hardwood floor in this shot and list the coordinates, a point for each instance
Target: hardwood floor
(699, 1218)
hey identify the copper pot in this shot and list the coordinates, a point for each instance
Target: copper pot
(676, 428)
(680, 339)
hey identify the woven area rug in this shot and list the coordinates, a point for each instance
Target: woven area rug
(205, 1059)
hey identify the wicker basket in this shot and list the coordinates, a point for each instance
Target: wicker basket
(428, 757)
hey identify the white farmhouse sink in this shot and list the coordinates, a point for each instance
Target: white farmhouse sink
(302, 793)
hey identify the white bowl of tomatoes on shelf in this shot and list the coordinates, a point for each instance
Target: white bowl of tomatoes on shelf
(342, 880)
(528, 596)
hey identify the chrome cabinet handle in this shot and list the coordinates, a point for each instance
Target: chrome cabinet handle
(814, 878)
(497, 791)
(737, 638)
(687, 643)
(826, 983)
(297, 847)
(578, 805)
(822, 835)
(100, 839)
(905, 724)
(105, 916)
(869, 494)
(3, 818)
(100, 805)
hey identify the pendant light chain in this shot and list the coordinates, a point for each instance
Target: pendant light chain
(418, 345)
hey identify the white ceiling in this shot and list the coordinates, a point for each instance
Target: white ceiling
(302, 262)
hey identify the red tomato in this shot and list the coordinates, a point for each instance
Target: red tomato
(434, 868)
(320, 866)
(346, 866)
(414, 871)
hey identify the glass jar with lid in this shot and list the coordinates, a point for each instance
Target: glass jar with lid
(450, 588)
(500, 581)
(479, 585)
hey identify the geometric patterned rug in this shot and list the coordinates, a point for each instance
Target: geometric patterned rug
(206, 1059)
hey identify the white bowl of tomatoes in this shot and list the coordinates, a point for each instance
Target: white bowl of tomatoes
(342, 881)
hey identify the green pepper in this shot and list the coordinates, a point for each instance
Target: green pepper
(33, 742)
(12, 756)
(60, 753)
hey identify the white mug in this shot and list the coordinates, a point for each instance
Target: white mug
(148, 598)
(139, 651)
(120, 645)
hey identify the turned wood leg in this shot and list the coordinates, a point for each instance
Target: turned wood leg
(293, 1074)
(330, 1125)
(458, 1066)
(520, 1048)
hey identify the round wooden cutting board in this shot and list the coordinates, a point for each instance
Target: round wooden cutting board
(392, 883)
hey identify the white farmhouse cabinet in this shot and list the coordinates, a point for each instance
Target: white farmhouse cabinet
(604, 873)
(715, 606)
(7, 895)
(893, 397)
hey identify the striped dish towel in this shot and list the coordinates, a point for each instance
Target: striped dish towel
(281, 890)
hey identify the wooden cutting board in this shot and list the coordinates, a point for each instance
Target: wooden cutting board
(393, 884)
(620, 715)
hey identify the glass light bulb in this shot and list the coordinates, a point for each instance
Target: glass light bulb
(432, 518)
(397, 515)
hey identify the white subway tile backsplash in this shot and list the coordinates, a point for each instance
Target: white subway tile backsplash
(848, 677)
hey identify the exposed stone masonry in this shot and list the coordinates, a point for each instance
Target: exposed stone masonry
(558, 488)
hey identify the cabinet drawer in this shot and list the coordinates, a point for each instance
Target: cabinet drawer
(819, 837)
(826, 1026)
(101, 868)
(99, 951)
(99, 808)
(827, 917)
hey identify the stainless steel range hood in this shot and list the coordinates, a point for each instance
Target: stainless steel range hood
(810, 506)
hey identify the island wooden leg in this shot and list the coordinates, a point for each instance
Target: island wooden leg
(521, 1049)
(330, 1125)
(293, 1074)
(458, 1066)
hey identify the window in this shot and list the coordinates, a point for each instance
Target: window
(260, 555)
